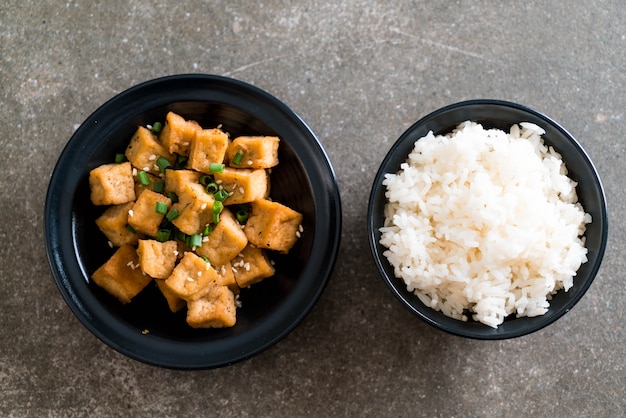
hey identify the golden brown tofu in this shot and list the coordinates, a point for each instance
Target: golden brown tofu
(178, 133)
(157, 259)
(253, 152)
(176, 181)
(192, 277)
(113, 224)
(242, 185)
(209, 146)
(143, 216)
(196, 213)
(227, 277)
(251, 266)
(144, 150)
(225, 241)
(112, 184)
(273, 225)
(121, 275)
(216, 310)
(174, 302)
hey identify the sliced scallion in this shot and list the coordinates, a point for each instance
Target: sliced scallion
(217, 209)
(158, 187)
(120, 158)
(220, 195)
(181, 161)
(130, 228)
(161, 207)
(173, 197)
(212, 188)
(163, 164)
(242, 215)
(238, 157)
(172, 214)
(195, 240)
(207, 230)
(163, 235)
(206, 259)
(206, 179)
(216, 168)
(143, 178)
(157, 127)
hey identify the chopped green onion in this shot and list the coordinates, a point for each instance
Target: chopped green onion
(120, 158)
(157, 127)
(216, 168)
(217, 209)
(242, 215)
(161, 207)
(205, 180)
(237, 158)
(181, 161)
(205, 258)
(143, 178)
(173, 197)
(131, 229)
(163, 164)
(220, 195)
(212, 188)
(181, 235)
(172, 214)
(207, 230)
(163, 235)
(195, 240)
(159, 187)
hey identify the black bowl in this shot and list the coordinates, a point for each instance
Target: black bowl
(501, 115)
(304, 180)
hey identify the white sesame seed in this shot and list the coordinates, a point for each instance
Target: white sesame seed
(186, 143)
(247, 266)
(130, 212)
(300, 228)
(146, 168)
(134, 171)
(241, 190)
(152, 157)
(218, 181)
(175, 252)
(205, 239)
(249, 162)
(203, 207)
(190, 279)
(110, 244)
(298, 234)
(199, 273)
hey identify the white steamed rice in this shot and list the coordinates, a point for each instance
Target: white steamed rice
(484, 223)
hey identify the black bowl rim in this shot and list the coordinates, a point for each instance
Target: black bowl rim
(71, 279)
(437, 319)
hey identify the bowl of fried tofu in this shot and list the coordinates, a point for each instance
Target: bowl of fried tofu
(192, 221)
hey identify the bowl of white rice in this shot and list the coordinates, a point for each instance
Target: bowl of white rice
(487, 219)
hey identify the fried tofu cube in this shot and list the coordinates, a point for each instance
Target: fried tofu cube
(242, 185)
(196, 213)
(174, 302)
(225, 241)
(157, 259)
(143, 216)
(251, 266)
(112, 184)
(121, 275)
(113, 224)
(253, 152)
(144, 150)
(176, 181)
(273, 226)
(216, 310)
(192, 277)
(209, 146)
(178, 133)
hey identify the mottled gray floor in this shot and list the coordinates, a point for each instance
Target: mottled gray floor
(359, 73)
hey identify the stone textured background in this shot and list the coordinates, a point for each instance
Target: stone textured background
(359, 72)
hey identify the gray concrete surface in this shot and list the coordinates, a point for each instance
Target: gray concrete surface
(359, 72)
